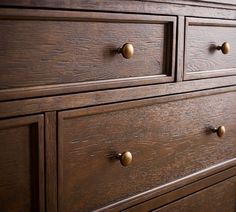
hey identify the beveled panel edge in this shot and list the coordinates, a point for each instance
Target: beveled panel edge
(197, 2)
(170, 41)
(199, 21)
(21, 121)
(60, 15)
(51, 161)
(60, 154)
(39, 121)
(66, 88)
(215, 174)
(105, 108)
(218, 2)
(127, 6)
(148, 95)
(145, 90)
(209, 74)
(180, 48)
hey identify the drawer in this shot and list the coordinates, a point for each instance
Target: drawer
(204, 56)
(167, 141)
(217, 198)
(51, 48)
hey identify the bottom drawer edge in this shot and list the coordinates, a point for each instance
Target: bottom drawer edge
(171, 192)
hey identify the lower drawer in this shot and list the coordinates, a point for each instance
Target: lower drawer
(167, 141)
(217, 198)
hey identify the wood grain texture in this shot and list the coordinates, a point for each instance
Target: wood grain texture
(180, 49)
(51, 160)
(197, 184)
(58, 55)
(219, 1)
(217, 198)
(22, 164)
(119, 94)
(168, 141)
(188, 7)
(136, 96)
(68, 50)
(201, 57)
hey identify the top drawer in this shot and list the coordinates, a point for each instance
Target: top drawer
(46, 48)
(203, 38)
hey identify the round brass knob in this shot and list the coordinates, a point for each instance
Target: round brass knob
(220, 131)
(225, 48)
(127, 50)
(125, 158)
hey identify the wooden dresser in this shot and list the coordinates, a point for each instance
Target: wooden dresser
(120, 105)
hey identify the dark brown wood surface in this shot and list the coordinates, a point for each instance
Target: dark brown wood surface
(22, 164)
(28, 15)
(168, 141)
(217, 198)
(201, 57)
(51, 161)
(58, 55)
(136, 96)
(177, 7)
(167, 196)
(219, 1)
(69, 49)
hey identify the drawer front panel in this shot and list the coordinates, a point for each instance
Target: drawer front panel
(202, 59)
(22, 164)
(217, 198)
(82, 47)
(168, 141)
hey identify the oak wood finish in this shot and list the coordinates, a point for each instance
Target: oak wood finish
(188, 7)
(165, 194)
(165, 143)
(67, 49)
(180, 49)
(217, 198)
(69, 104)
(51, 160)
(148, 95)
(202, 59)
(22, 164)
(219, 1)
(120, 94)
(77, 87)
(169, 193)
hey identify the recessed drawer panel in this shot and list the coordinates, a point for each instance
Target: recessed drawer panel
(210, 48)
(22, 164)
(78, 47)
(167, 142)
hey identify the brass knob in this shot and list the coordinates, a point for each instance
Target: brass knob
(125, 158)
(220, 131)
(225, 48)
(127, 50)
